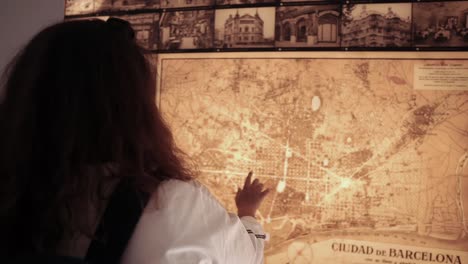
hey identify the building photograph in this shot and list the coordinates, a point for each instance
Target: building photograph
(242, 2)
(288, 1)
(308, 26)
(376, 25)
(185, 3)
(440, 24)
(79, 7)
(245, 27)
(122, 5)
(191, 29)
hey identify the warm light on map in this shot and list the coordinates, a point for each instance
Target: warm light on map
(357, 158)
(345, 183)
(281, 186)
(316, 103)
(325, 162)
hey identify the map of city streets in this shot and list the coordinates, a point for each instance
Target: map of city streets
(350, 149)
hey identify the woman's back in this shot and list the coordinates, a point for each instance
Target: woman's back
(77, 117)
(184, 223)
(85, 156)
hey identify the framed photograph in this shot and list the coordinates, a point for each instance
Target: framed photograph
(185, 3)
(440, 24)
(78, 7)
(146, 27)
(123, 5)
(308, 26)
(376, 25)
(292, 1)
(242, 2)
(103, 5)
(191, 29)
(245, 28)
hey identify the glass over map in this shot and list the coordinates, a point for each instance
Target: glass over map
(358, 159)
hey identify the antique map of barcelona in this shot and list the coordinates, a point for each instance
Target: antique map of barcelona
(364, 166)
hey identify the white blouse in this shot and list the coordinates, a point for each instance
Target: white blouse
(187, 225)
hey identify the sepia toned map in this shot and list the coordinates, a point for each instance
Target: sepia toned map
(363, 166)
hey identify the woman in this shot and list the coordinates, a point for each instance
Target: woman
(88, 169)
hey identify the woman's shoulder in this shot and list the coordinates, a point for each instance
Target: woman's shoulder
(192, 191)
(189, 225)
(179, 187)
(174, 184)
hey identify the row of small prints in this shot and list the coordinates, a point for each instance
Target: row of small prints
(79, 7)
(368, 25)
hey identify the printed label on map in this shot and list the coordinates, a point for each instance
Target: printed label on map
(344, 251)
(441, 75)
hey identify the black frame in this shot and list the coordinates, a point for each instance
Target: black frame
(278, 3)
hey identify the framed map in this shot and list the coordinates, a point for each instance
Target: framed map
(366, 153)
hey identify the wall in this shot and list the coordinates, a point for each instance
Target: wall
(20, 20)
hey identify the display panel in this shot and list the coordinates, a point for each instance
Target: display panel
(366, 155)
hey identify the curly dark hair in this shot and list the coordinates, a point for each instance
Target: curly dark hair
(80, 95)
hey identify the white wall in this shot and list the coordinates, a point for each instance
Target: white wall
(20, 20)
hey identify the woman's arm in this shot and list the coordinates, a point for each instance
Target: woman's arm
(184, 223)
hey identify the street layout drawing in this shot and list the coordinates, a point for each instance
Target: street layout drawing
(348, 147)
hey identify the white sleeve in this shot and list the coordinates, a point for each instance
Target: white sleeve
(257, 236)
(184, 224)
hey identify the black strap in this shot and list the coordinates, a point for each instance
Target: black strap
(117, 225)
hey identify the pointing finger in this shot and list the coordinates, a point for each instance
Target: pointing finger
(248, 180)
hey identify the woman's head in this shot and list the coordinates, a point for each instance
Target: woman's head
(80, 95)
